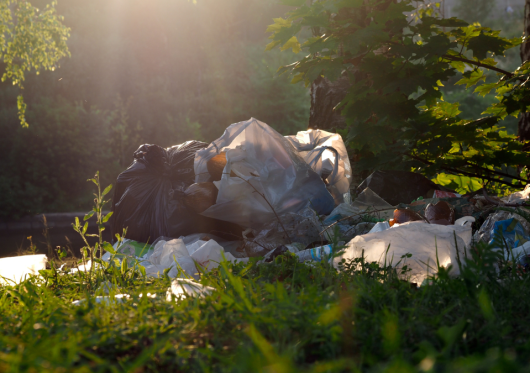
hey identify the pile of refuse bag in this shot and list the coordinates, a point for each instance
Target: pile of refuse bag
(255, 193)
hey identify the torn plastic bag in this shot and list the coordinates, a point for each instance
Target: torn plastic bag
(366, 201)
(264, 164)
(326, 153)
(177, 256)
(149, 195)
(518, 197)
(423, 241)
(400, 186)
(302, 227)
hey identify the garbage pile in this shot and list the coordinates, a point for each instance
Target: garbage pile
(255, 193)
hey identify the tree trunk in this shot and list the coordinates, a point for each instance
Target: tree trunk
(325, 96)
(524, 121)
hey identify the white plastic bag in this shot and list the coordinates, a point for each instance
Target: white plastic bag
(182, 288)
(326, 153)
(17, 268)
(426, 242)
(176, 255)
(265, 163)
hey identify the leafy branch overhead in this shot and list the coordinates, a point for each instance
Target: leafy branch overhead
(397, 57)
(30, 39)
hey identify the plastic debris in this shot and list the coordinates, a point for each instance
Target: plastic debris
(17, 268)
(149, 196)
(465, 221)
(326, 153)
(182, 288)
(484, 234)
(379, 227)
(302, 227)
(316, 254)
(507, 234)
(518, 197)
(388, 247)
(267, 169)
(105, 299)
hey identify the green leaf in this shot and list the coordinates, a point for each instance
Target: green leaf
(106, 191)
(124, 266)
(107, 217)
(89, 215)
(484, 89)
(445, 110)
(459, 66)
(470, 78)
(482, 44)
(292, 43)
(297, 78)
(108, 247)
(85, 227)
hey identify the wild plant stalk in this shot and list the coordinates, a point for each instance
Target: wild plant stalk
(99, 203)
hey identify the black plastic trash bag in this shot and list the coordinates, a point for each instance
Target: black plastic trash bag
(400, 186)
(149, 196)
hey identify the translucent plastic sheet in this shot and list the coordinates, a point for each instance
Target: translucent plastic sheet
(260, 161)
(326, 153)
(424, 241)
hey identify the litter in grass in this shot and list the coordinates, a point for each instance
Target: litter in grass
(182, 288)
(17, 268)
(255, 193)
(291, 194)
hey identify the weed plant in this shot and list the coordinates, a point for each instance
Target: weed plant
(283, 316)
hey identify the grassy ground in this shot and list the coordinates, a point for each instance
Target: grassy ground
(280, 317)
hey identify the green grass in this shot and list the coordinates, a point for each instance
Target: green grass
(280, 317)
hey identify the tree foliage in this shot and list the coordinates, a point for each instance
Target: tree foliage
(397, 57)
(30, 39)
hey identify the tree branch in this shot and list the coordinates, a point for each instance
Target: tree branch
(457, 171)
(479, 64)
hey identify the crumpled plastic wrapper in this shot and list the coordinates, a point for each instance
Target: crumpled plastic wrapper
(484, 233)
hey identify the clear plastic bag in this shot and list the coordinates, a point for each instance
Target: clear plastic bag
(260, 163)
(326, 153)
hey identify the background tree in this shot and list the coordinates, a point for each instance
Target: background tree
(397, 57)
(160, 72)
(30, 40)
(524, 121)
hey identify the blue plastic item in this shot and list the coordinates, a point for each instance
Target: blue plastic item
(508, 232)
